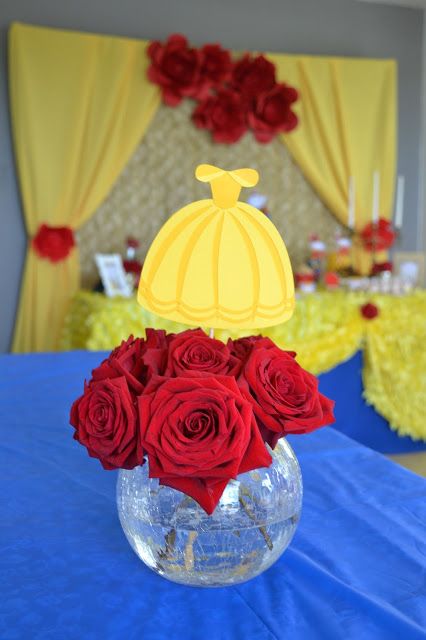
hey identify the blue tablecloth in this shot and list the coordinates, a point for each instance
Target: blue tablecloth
(355, 569)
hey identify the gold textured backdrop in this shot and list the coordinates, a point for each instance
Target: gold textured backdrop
(159, 179)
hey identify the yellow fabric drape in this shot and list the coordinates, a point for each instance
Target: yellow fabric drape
(80, 104)
(347, 111)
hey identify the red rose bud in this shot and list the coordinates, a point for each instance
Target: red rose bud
(193, 351)
(105, 422)
(284, 396)
(242, 347)
(253, 75)
(136, 359)
(199, 432)
(53, 243)
(369, 311)
(176, 68)
(223, 115)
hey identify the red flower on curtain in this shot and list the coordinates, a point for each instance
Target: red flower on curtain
(272, 113)
(216, 66)
(223, 115)
(377, 237)
(53, 243)
(176, 68)
(252, 76)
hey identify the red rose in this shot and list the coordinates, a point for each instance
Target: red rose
(242, 347)
(199, 433)
(175, 68)
(369, 311)
(216, 65)
(136, 359)
(53, 243)
(223, 115)
(105, 421)
(285, 397)
(272, 112)
(252, 76)
(377, 237)
(194, 351)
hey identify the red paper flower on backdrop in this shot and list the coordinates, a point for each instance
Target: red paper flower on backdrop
(199, 432)
(216, 66)
(285, 397)
(222, 114)
(272, 114)
(105, 422)
(53, 243)
(176, 68)
(378, 237)
(252, 76)
(369, 311)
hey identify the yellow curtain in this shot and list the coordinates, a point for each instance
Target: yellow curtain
(80, 104)
(347, 111)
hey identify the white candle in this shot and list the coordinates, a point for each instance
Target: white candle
(351, 203)
(399, 208)
(376, 196)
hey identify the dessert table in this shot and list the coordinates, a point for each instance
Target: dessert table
(355, 569)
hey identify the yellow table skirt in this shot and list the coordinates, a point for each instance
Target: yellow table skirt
(327, 328)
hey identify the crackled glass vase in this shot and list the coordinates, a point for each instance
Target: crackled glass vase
(248, 531)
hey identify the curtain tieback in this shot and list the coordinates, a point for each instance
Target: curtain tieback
(53, 243)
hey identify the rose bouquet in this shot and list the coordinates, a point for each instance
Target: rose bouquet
(199, 412)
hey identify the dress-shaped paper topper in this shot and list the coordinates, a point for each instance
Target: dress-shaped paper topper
(219, 262)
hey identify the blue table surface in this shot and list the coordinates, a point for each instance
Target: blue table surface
(355, 569)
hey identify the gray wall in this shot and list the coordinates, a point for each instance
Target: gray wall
(323, 27)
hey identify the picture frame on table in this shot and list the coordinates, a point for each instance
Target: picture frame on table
(113, 275)
(409, 266)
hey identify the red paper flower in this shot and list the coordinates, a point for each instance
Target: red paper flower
(223, 115)
(285, 397)
(105, 421)
(216, 66)
(272, 112)
(193, 351)
(369, 311)
(136, 360)
(199, 433)
(378, 237)
(252, 76)
(53, 243)
(176, 68)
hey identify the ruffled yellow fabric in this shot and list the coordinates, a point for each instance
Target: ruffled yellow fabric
(326, 329)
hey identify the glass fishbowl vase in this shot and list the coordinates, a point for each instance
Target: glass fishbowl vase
(248, 531)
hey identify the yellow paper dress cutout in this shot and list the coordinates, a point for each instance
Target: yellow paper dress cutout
(219, 262)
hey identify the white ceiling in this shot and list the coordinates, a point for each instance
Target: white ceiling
(413, 4)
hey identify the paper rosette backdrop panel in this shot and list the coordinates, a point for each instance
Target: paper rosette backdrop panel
(88, 88)
(219, 262)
